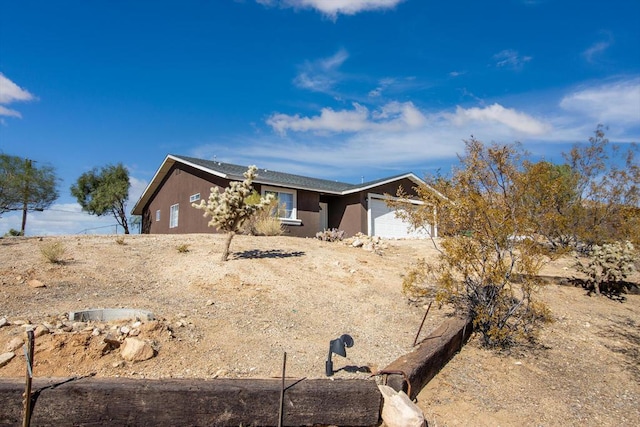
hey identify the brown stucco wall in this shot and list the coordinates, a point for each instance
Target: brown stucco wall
(182, 181)
(348, 213)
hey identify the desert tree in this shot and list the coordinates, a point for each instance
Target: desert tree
(608, 191)
(104, 191)
(553, 200)
(25, 187)
(229, 210)
(488, 263)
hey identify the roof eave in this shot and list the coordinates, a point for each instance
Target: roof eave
(410, 176)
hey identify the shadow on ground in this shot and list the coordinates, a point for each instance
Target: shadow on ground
(272, 253)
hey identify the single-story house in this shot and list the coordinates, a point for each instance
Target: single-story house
(312, 204)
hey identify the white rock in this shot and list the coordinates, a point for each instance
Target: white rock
(136, 350)
(357, 243)
(125, 330)
(4, 322)
(398, 410)
(34, 283)
(40, 331)
(6, 358)
(15, 344)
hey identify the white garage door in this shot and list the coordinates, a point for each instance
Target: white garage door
(384, 223)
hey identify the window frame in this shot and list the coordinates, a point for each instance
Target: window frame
(174, 215)
(293, 219)
(194, 198)
(157, 215)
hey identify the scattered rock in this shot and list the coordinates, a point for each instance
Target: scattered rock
(40, 331)
(136, 350)
(357, 243)
(4, 322)
(35, 283)
(209, 302)
(118, 364)
(110, 339)
(15, 344)
(125, 330)
(6, 358)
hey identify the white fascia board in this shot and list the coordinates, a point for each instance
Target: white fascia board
(410, 176)
(199, 167)
(153, 184)
(162, 171)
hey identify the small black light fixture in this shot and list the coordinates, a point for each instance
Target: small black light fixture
(337, 346)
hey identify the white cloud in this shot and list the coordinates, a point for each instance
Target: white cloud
(60, 218)
(497, 114)
(9, 112)
(333, 8)
(11, 92)
(321, 75)
(510, 58)
(391, 116)
(617, 102)
(68, 218)
(596, 49)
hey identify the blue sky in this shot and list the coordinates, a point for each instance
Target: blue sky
(335, 89)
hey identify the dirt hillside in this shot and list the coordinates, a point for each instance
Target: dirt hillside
(281, 294)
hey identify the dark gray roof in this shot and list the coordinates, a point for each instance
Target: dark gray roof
(265, 176)
(281, 179)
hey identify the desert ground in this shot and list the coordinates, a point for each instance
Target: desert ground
(236, 319)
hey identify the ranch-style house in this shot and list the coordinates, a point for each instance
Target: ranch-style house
(312, 204)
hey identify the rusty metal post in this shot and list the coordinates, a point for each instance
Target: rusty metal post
(415, 340)
(281, 412)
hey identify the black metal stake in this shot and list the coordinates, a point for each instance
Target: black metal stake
(415, 340)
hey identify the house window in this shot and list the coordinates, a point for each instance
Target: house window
(194, 198)
(287, 203)
(173, 216)
(158, 215)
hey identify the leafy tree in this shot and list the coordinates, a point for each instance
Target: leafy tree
(608, 205)
(488, 267)
(229, 210)
(553, 201)
(104, 191)
(25, 187)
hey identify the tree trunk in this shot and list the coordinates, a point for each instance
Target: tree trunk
(227, 243)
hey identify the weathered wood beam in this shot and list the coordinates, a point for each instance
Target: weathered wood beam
(218, 402)
(429, 356)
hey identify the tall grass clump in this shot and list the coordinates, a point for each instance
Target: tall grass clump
(53, 252)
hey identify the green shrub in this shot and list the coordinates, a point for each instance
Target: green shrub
(53, 251)
(608, 268)
(14, 233)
